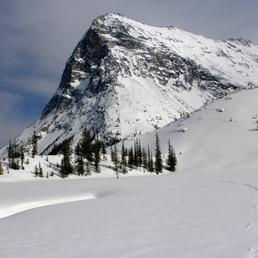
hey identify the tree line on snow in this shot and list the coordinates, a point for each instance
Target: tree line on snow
(88, 153)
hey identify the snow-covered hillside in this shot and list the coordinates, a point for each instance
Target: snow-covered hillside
(208, 208)
(222, 136)
(125, 78)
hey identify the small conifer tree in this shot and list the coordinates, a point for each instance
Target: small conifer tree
(34, 142)
(158, 158)
(171, 158)
(123, 158)
(86, 145)
(88, 171)
(66, 167)
(79, 159)
(22, 156)
(130, 158)
(115, 158)
(97, 158)
(103, 151)
(139, 154)
(40, 171)
(144, 159)
(150, 161)
(36, 171)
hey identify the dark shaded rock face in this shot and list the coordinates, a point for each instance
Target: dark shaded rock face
(125, 77)
(86, 56)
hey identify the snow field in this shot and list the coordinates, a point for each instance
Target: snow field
(208, 208)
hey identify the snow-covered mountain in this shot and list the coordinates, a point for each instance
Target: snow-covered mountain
(125, 78)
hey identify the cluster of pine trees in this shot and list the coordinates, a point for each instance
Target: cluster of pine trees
(15, 156)
(16, 153)
(138, 157)
(88, 153)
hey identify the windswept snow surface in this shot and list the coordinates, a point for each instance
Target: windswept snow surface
(208, 208)
(17, 208)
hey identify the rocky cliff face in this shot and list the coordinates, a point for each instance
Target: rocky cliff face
(125, 78)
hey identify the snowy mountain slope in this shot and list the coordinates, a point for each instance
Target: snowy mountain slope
(208, 208)
(126, 78)
(215, 141)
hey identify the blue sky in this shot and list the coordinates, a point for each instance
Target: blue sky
(37, 38)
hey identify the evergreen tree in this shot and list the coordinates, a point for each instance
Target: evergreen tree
(103, 150)
(139, 154)
(135, 159)
(86, 145)
(22, 156)
(36, 171)
(130, 158)
(158, 159)
(88, 171)
(10, 152)
(1, 169)
(34, 142)
(79, 159)
(123, 158)
(171, 158)
(97, 147)
(150, 161)
(66, 167)
(40, 171)
(80, 166)
(144, 159)
(116, 161)
(13, 156)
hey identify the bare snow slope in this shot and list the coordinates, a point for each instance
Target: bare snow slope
(208, 208)
(126, 78)
(215, 140)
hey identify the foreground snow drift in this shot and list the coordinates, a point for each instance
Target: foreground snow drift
(14, 209)
(159, 216)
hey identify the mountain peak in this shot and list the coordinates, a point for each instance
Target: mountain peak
(126, 78)
(110, 19)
